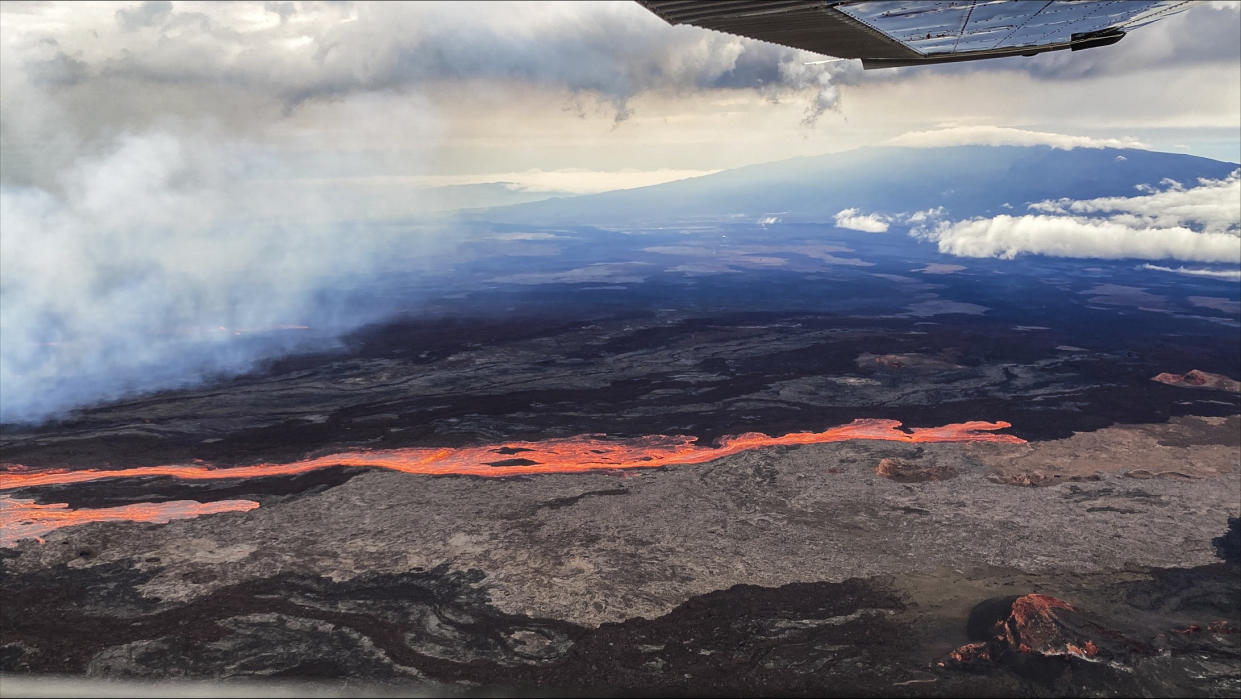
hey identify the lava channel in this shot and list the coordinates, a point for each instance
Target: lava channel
(568, 455)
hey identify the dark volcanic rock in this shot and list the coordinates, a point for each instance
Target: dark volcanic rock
(438, 629)
(1228, 544)
(535, 378)
(1036, 479)
(435, 632)
(438, 626)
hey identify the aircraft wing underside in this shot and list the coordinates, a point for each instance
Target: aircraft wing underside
(887, 33)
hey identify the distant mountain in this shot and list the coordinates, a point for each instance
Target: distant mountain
(475, 196)
(966, 180)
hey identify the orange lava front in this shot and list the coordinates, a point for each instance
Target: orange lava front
(26, 519)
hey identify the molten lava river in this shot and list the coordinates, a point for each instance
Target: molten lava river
(22, 519)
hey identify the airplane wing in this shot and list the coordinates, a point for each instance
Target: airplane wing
(888, 33)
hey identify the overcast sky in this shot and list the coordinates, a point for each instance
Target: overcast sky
(477, 92)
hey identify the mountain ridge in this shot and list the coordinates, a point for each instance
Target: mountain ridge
(966, 180)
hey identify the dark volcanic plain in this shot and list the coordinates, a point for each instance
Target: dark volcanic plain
(859, 567)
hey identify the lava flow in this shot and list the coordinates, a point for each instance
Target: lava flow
(23, 519)
(26, 519)
(567, 455)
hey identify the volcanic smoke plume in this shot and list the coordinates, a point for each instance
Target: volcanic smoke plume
(142, 234)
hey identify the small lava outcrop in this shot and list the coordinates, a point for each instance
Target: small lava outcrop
(907, 361)
(909, 472)
(1200, 379)
(1037, 628)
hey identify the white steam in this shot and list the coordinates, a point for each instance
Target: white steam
(153, 265)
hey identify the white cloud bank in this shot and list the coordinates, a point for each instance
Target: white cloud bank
(1200, 224)
(1063, 236)
(854, 219)
(1214, 205)
(1004, 136)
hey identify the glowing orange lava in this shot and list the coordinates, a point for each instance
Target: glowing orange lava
(569, 455)
(25, 519)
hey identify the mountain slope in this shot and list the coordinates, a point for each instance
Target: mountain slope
(967, 180)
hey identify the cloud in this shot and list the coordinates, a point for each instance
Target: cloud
(1212, 206)
(564, 181)
(1196, 224)
(147, 14)
(295, 54)
(855, 220)
(1062, 236)
(1004, 136)
(925, 215)
(1229, 274)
